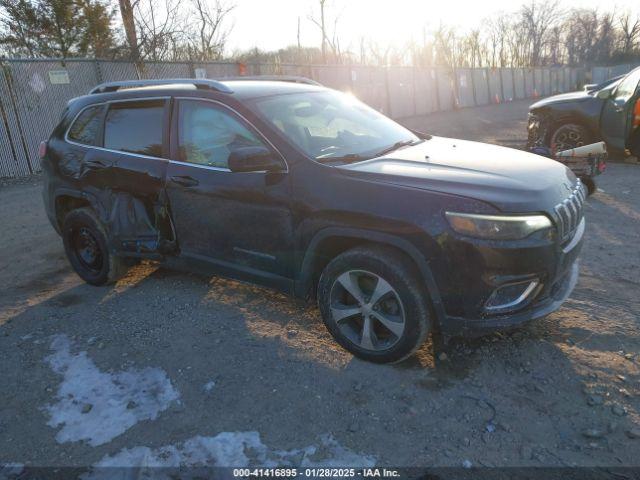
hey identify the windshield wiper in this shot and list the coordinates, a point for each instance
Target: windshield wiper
(348, 158)
(396, 146)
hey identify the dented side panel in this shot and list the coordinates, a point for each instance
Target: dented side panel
(125, 190)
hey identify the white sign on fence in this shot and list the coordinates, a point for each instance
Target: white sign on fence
(200, 72)
(59, 77)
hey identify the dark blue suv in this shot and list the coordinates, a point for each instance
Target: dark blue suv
(305, 189)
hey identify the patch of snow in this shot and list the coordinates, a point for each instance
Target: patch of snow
(208, 387)
(98, 406)
(227, 449)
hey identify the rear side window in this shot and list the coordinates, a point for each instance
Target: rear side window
(135, 127)
(86, 126)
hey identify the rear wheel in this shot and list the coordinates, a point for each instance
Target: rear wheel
(567, 136)
(373, 303)
(85, 243)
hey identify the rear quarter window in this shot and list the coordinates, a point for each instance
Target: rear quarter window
(86, 126)
(135, 127)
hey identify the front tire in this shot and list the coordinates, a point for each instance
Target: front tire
(374, 303)
(85, 243)
(566, 136)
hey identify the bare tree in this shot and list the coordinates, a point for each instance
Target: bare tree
(330, 37)
(378, 54)
(208, 36)
(629, 32)
(159, 28)
(538, 18)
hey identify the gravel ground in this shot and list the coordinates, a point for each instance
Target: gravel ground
(168, 365)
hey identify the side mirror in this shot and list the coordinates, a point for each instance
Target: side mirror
(604, 93)
(254, 159)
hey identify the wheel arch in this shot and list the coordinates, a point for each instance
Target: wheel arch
(331, 241)
(66, 200)
(568, 118)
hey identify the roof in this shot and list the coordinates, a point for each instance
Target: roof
(239, 88)
(244, 86)
(245, 89)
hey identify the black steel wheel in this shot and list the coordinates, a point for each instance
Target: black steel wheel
(85, 243)
(567, 136)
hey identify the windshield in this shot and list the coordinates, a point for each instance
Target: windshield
(627, 87)
(612, 82)
(330, 125)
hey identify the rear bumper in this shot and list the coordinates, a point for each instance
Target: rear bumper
(455, 326)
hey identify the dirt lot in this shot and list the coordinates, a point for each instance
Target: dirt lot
(168, 367)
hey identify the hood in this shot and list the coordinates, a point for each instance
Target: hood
(511, 180)
(562, 98)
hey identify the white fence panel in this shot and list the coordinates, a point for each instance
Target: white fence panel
(41, 90)
(13, 158)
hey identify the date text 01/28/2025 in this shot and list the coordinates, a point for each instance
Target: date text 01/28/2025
(314, 472)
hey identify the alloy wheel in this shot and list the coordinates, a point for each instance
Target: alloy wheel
(367, 310)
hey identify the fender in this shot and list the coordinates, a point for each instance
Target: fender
(303, 283)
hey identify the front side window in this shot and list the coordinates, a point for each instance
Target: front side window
(87, 125)
(329, 124)
(135, 127)
(207, 134)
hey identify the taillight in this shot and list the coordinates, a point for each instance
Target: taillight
(42, 149)
(636, 114)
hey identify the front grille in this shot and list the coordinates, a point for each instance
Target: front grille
(569, 212)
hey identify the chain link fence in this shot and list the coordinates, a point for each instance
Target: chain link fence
(33, 93)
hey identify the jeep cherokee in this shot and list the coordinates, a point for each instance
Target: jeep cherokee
(305, 189)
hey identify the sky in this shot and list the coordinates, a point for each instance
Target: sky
(272, 24)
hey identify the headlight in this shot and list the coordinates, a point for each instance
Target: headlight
(497, 227)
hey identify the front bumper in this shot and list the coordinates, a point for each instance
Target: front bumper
(537, 130)
(488, 267)
(456, 326)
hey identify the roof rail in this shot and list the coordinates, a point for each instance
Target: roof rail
(277, 78)
(204, 84)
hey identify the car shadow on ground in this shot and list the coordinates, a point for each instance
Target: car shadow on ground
(277, 371)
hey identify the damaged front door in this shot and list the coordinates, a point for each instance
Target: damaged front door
(237, 220)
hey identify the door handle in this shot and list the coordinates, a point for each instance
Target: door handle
(185, 180)
(95, 164)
